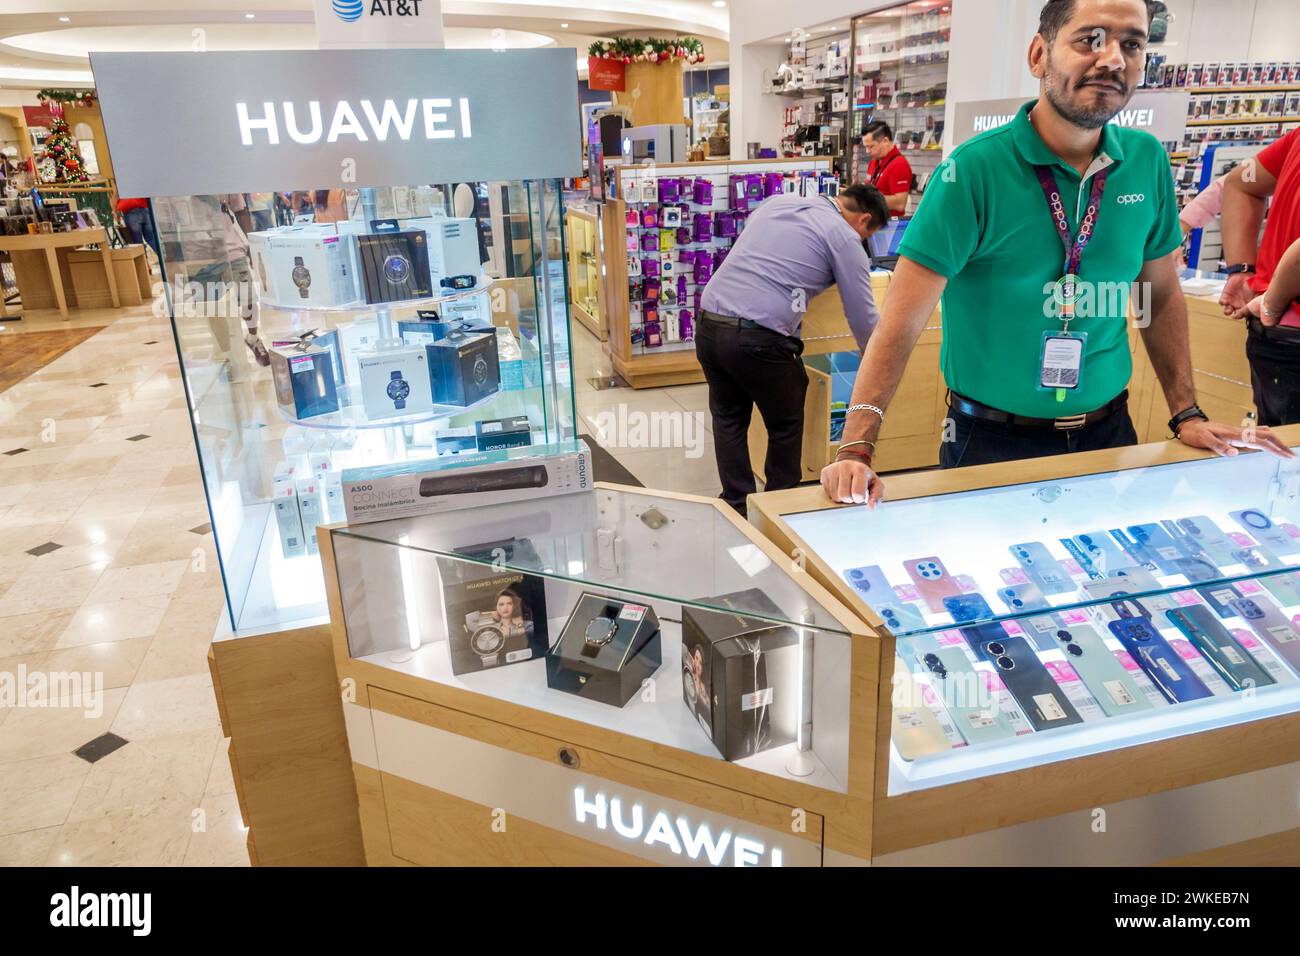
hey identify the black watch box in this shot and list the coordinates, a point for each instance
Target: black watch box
(740, 674)
(465, 368)
(606, 650)
(495, 615)
(395, 266)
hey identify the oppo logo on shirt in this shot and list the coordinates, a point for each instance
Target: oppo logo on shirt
(1131, 199)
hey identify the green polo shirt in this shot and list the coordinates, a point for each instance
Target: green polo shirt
(984, 224)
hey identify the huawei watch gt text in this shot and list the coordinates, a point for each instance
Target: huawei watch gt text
(426, 118)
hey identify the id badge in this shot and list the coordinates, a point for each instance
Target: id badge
(1060, 364)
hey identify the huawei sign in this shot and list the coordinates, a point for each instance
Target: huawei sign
(306, 124)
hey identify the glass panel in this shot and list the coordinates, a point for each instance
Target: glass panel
(320, 330)
(1107, 610)
(454, 597)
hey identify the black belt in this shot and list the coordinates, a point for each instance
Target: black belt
(736, 323)
(1277, 333)
(986, 413)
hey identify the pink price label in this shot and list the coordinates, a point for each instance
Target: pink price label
(1074, 617)
(1014, 576)
(1245, 639)
(993, 683)
(1012, 628)
(1184, 649)
(1187, 598)
(1242, 540)
(1062, 672)
(1290, 529)
(1073, 567)
(929, 696)
(966, 583)
(1249, 587)
(907, 592)
(1126, 659)
(1295, 621)
(950, 639)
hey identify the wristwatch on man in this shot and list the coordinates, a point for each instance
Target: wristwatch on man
(1239, 267)
(1185, 416)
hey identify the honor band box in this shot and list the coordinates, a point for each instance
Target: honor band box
(741, 675)
(465, 481)
(607, 648)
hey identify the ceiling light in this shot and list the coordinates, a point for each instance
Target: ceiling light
(249, 16)
(719, 3)
(64, 19)
(564, 26)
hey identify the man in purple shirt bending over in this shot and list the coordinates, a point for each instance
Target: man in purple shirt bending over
(791, 249)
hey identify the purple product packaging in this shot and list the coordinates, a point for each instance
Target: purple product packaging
(686, 257)
(633, 218)
(683, 236)
(754, 187)
(703, 268)
(703, 227)
(699, 297)
(653, 336)
(669, 189)
(650, 242)
(724, 225)
(650, 217)
(681, 288)
(650, 267)
(772, 184)
(702, 192)
(650, 289)
(719, 256)
(686, 320)
(736, 195)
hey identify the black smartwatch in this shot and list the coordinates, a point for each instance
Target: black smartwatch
(1186, 415)
(1246, 267)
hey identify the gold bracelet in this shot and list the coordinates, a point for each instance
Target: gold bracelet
(861, 441)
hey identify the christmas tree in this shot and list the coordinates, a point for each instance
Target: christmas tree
(60, 147)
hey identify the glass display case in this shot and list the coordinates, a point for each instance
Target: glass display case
(658, 617)
(586, 268)
(325, 330)
(1052, 620)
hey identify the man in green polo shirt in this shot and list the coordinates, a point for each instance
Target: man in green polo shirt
(1038, 236)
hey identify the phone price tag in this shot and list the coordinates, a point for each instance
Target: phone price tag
(1060, 365)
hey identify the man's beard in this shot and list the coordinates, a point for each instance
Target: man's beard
(1085, 117)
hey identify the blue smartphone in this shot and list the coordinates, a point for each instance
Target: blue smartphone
(1201, 626)
(1172, 675)
(966, 608)
(900, 618)
(1158, 546)
(1200, 535)
(1041, 568)
(1023, 597)
(870, 582)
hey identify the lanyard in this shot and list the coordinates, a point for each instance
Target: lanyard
(880, 170)
(1068, 286)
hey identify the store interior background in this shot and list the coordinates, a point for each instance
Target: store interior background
(128, 513)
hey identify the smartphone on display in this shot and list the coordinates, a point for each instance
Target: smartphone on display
(1039, 696)
(1201, 626)
(966, 608)
(915, 730)
(1220, 598)
(1272, 627)
(932, 580)
(1285, 587)
(1023, 597)
(900, 618)
(1041, 568)
(1100, 670)
(1103, 555)
(1158, 546)
(1208, 538)
(871, 584)
(963, 691)
(1262, 529)
(1172, 675)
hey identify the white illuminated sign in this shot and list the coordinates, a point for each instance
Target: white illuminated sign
(679, 836)
(345, 121)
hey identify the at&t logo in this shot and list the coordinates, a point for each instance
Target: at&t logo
(1131, 199)
(348, 10)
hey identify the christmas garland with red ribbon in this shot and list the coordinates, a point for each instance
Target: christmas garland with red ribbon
(649, 50)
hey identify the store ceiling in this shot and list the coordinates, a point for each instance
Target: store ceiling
(46, 42)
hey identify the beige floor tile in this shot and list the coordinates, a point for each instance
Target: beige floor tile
(172, 768)
(41, 591)
(114, 621)
(39, 793)
(156, 835)
(172, 706)
(221, 779)
(671, 469)
(31, 732)
(29, 633)
(28, 848)
(118, 661)
(178, 650)
(222, 839)
(142, 580)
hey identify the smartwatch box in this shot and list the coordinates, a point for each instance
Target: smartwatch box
(304, 380)
(605, 651)
(512, 432)
(310, 269)
(288, 522)
(453, 250)
(495, 615)
(311, 510)
(740, 674)
(465, 368)
(395, 381)
(394, 265)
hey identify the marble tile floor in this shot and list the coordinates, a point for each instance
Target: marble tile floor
(108, 567)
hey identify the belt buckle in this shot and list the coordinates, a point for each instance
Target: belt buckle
(1070, 422)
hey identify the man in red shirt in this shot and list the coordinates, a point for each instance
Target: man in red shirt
(1273, 339)
(888, 171)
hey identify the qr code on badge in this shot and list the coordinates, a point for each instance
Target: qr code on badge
(1061, 377)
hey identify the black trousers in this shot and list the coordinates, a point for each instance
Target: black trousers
(975, 441)
(1275, 375)
(744, 368)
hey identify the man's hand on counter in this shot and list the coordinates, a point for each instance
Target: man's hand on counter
(852, 482)
(1225, 440)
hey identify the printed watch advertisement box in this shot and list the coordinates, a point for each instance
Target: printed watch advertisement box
(495, 616)
(740, 674)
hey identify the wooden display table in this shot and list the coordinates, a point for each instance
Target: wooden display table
(89, 281)
(42, 269)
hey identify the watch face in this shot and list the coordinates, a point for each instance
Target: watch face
(398, 389)
(600, 631)
(397, 269)
(301, 277)
(487, 640)
(480, 370)
(688, 685)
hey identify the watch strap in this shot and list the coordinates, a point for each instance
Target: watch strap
(1239, 267)
(1186, 415)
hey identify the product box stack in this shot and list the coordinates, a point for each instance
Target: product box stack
(679, 231)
